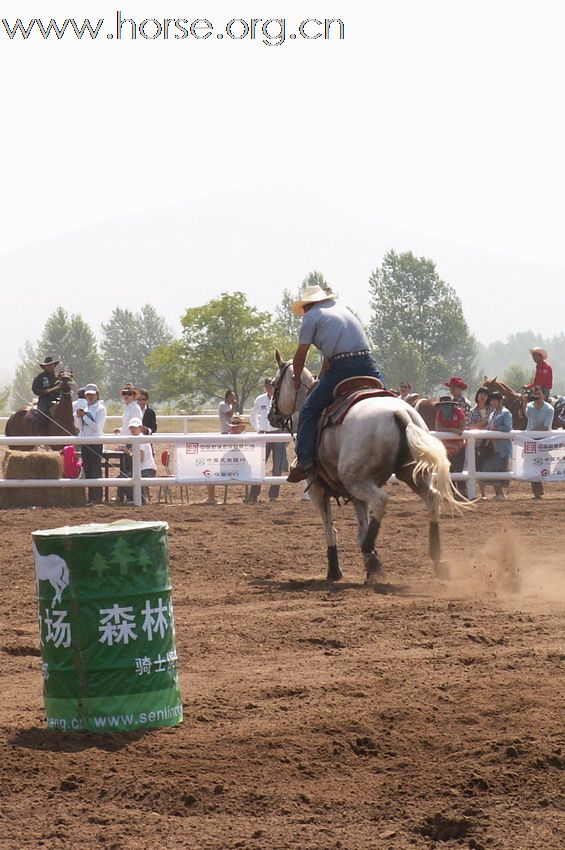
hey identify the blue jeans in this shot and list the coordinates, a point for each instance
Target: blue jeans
(322, 396)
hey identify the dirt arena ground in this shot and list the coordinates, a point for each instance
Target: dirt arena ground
(315, 717)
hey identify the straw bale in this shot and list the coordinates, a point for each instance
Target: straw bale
(35, 465)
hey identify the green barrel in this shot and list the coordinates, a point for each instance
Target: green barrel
(106, 624)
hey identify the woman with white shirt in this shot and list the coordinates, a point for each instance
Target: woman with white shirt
(90, 422)
(132, 410)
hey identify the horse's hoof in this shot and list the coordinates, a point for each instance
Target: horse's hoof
(441, 570)
(335, 574)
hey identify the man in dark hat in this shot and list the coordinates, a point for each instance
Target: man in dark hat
(45, 386)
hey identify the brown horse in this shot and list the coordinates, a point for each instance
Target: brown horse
(426, 407)
(23, 423)
(514, 401)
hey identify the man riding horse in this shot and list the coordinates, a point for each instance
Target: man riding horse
(46, 387)
(338, 334)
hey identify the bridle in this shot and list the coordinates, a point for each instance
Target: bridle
(276, 418)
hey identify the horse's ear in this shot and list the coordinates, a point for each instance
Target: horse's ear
(278, 357)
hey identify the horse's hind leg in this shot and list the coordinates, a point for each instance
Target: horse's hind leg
(322, 502)
(370, 511)
(431, 498)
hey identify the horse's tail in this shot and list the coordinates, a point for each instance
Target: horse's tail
(430, 457)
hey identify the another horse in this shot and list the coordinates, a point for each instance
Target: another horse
(514, 401)
(378, 437)
(60, 423)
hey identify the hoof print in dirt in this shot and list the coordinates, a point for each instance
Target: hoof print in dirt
(364, 747)
(438, 827)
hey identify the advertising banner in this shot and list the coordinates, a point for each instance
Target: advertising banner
(220, 462)
(540, 458)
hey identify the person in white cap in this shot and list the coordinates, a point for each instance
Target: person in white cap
(90, 422)
(544, 373)
(339, 335)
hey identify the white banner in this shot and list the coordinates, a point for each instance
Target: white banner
(539, 459)
(220, 463)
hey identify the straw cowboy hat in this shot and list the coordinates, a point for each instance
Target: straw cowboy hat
(311, 295)
(49, 361)
(538, 350)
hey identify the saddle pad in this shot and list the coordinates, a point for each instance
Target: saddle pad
(338, 409)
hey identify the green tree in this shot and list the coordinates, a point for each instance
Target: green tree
(71, 340)
(315, 279)
(26, 370)
(128, 339)
(516, 376)
(226, 343)
(414, 312)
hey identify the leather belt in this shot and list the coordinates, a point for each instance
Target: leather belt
(349, 354)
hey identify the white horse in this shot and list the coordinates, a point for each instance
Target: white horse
(51, 568)
(378, 437)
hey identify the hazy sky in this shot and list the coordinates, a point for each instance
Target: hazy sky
(435, 117)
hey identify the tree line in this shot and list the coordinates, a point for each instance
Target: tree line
(416, 328)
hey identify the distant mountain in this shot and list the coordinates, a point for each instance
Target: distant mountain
(260, 242)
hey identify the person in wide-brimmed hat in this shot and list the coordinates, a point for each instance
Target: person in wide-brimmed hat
(339, 335)
(457, 386)
(46, 388)
(544, 373)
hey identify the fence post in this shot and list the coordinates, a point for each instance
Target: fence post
(471, 467)
(136, 472)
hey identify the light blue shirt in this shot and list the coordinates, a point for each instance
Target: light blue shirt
(333, 329)
(539, 419)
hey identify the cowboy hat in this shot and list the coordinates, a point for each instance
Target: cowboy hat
(49, 361)
(311, 295)
(446, 399)
(538, 350)
(455, 381)
(129, 389)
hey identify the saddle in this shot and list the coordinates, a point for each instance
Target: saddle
(32, 415)
(346, 394)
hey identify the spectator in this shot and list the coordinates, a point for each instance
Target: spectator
(544, 373)
(148, 466)
(456, 388)
(260, 422)
(90, 421)
(226, 411)
(499, 451)
(149, 419)
(132, 410)
(539, 415)
(450, 417)
(404, 390)
(45, 386)
(478, 420)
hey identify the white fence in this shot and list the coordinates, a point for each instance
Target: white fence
(469, 475)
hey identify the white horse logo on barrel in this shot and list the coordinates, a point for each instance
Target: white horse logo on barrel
(51, 568)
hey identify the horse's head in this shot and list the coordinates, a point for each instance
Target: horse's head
(286, 399)
(65, 381)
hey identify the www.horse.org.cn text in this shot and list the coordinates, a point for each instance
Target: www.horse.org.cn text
(272, 32)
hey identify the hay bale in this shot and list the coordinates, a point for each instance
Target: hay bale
(35, 465)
